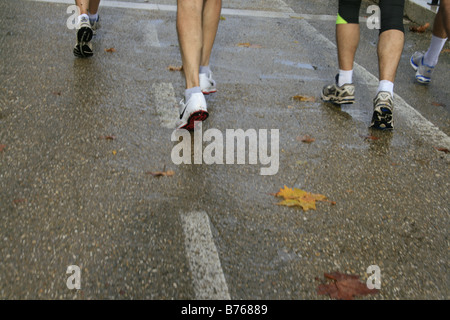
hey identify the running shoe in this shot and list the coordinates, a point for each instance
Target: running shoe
(207, 83)
(83, 48)
(339, 95)
(383, 106)
(423, 71)
(192, 111)
(95, 25)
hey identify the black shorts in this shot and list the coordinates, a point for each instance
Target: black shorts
(391, 13)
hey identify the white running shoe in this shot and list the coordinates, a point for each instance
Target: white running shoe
(194, 110)
(423, 71)
(207, 83)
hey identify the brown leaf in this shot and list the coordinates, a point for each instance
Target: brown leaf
(446, 51)
(17, 201)
(442, 149)
(2, 147)
(304, 98)
(306, 139)
(344, 286)
(167, 173)
(174, 68)
(369, 137)
(107, 137)
(110, 50)
(437, 104)
(56, 93)
(420, 29)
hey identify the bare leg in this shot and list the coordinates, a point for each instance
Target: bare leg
(211, 18)
(93, 6)
(83, 5)
(347, 38)
(190, 37)
(390, 47)
(445, 8)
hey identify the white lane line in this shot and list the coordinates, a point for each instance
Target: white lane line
(166, 104)
(208, 278)
(151, 35)
(285, 14)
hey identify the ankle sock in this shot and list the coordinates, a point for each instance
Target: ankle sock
(205, 69)
(386, 85)
(345, 76)
(432, 55)
(188, 93)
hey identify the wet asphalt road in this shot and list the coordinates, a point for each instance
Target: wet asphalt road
(71, 196)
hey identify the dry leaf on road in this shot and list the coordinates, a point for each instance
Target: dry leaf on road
(344, 286)
(299, 198)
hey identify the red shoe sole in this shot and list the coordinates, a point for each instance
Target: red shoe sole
(196, 116)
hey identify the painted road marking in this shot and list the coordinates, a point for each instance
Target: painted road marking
(166, 104)
(208, 278)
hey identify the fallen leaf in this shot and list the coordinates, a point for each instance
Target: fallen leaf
(56, 93)
(446, 51)
(344, 286)
(110, 50)
(299, 198)
(167, 173)
(306, 139)
(420, 29)
(114, 152)
(442, 149)
(369, 137)
(248, 45)
(437, 104)
(174, 68)
(223, 18)
(2, 147)
(17, 201)
(304, 98)
(107, 137)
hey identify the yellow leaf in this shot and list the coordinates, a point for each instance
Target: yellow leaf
(300, 198)
(114, 152)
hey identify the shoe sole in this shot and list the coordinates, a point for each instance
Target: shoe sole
(81, 51)
(349, 100)
(195, 117)
(209, 92)
(382, 124)
(423, 80)
(84, 35)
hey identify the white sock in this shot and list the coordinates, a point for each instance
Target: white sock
(81, 16)
(345, 76)
(188, 93)
(205, 69)
(386, 85)
(432, 55)
(93, 17)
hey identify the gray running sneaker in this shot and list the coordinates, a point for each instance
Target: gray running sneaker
(383, 107)
(339, 95)
(423, 71)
